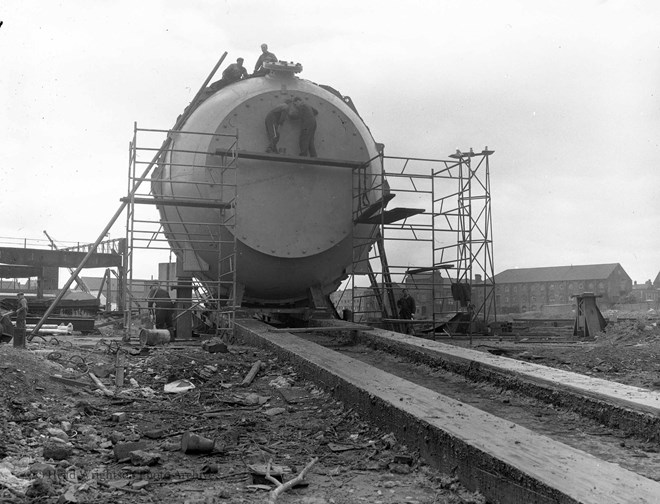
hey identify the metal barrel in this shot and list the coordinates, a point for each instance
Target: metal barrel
(152, 337)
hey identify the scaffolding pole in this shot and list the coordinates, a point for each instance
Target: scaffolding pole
(186, 225)
(439, 239)
(123, 205)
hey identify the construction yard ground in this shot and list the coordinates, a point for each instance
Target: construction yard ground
(66, 439)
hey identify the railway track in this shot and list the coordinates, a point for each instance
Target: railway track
(518, 432)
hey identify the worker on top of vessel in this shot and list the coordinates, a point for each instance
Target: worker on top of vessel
(265, 56)
(307, 115)
(234, 72)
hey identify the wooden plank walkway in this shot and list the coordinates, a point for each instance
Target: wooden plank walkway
(635, 410)
(624, 395)
(506, 462)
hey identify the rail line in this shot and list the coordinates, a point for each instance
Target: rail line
(520, 433)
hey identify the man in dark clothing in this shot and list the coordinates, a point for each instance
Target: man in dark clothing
(234, 72)
(263, 58)
(274, 120)
(307, 115)
(407, 309)
(161, 305)
(21, 314)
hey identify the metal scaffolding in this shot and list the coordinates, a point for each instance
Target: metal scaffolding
(438, 244)
(151, 237)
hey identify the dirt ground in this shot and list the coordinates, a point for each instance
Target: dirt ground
(628, 351)
(68, 442)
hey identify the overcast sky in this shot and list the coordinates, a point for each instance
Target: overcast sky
(565, 92)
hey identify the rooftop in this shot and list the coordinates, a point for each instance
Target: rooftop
(557, 273)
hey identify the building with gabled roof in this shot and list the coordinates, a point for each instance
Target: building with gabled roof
(529, 289)
(646, 292)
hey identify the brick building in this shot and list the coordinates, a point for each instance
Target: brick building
(529, 289)
(646, 292)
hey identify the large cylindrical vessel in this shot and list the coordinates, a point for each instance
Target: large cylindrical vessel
(293, 216)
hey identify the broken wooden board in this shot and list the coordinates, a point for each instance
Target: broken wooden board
(69, 381)
(294, 395)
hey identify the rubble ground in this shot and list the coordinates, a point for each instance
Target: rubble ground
(65, 439)
(627, 351)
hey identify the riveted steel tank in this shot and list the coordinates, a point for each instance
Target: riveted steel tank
(293, 221)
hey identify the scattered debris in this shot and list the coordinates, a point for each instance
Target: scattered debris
(271, 412)
(119, 417)
(194, 443)
(56, 449)
(13, 483)
(252, 374)
(178, 386)
(281, 488)
(127, 445)
(99, 384)
(281, 382)
(143, 458)
(122, 451)
(215, 345)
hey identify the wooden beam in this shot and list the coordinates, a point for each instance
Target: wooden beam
(633, 409)
(351, 327)
(282, 158)
(416, 271)
(179, 202)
